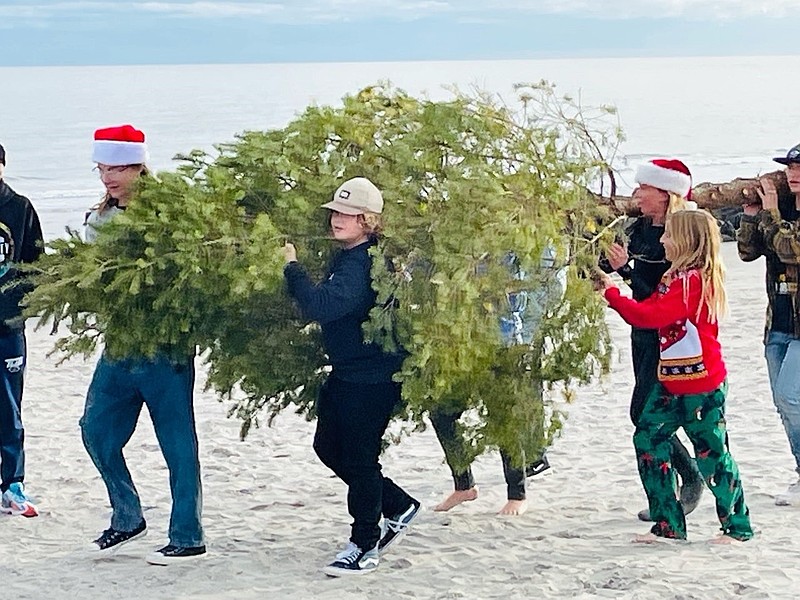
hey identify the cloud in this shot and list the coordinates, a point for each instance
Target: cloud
(311, 11)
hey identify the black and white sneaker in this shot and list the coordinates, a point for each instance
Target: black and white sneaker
(538, 467)
(111, 539)
(170, 554)
(353, 561)
(394, 528)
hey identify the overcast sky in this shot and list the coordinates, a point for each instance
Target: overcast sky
(40, 32)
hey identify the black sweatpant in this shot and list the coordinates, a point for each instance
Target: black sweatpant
(455, 453)
(351, 421)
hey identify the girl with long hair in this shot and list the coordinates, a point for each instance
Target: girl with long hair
(691, 388)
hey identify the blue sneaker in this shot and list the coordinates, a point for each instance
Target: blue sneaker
(16, 502)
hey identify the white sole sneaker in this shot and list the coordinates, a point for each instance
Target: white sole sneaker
(157, 558)
(370, 566)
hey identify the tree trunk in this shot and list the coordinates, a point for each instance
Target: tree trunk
(714, 196)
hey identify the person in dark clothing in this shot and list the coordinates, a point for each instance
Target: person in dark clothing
(771, 228)
(357, 400)
(664, 187)
(20, 242)
(519, 323)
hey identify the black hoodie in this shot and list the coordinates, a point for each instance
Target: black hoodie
(20, 241)
(340, 304)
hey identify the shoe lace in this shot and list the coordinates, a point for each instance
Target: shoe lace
(349, 554)
(401, 521)
(394, 525)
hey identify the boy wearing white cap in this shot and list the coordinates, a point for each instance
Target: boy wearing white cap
(357, 400)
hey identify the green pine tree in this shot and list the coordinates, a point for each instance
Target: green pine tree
(195, 261)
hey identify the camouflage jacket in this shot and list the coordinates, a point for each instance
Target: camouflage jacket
(767, 234)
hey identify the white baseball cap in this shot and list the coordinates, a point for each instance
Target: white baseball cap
(356, 196)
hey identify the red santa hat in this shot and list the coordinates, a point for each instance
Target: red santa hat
(668, 174)
(120, 145)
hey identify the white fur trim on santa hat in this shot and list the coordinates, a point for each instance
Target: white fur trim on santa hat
(111, 153)
(665, 179)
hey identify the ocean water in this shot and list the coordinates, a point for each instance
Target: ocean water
(725, 116)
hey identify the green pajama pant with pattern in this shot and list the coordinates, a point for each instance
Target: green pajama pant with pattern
(702, 417)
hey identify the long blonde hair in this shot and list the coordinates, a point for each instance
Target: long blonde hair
(675, 203)
(695, 234)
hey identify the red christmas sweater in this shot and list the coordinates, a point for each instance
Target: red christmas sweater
(691, 358)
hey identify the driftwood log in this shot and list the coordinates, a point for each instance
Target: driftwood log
(723, 200)
(713, 196)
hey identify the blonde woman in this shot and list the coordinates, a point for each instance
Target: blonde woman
(664, 186)
(691, 388)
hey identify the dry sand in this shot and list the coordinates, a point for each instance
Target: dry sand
(274, 515)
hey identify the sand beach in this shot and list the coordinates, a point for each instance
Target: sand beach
(274, 515)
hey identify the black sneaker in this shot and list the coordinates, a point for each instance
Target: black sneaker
(538, 467)
(111, 539)
(396, 526)
(690, 494)
(171, 554)
(353, 561)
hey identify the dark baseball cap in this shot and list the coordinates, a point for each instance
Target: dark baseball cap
(792, 157)
(2, 155)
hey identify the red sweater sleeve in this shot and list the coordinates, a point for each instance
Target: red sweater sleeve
(659, 309)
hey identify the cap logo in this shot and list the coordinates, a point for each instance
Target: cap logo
(344, 194)
(793, 154)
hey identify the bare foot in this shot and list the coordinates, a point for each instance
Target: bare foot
(648, 538)
(456, 498)
(514, 508)
(724, 540)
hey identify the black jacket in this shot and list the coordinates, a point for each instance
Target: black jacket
(20, 241)
(340, 304)
(647, 254)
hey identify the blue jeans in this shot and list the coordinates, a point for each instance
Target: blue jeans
(782, 351)
(12, 434)
(113, 403)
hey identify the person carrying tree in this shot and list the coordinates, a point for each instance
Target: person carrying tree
(771, 229)
(20, 242)
(664, 186)
(519, 325)
(357, 400)
(692, 378)
(122, 385)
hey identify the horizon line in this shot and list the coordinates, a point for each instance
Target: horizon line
(540, 56)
